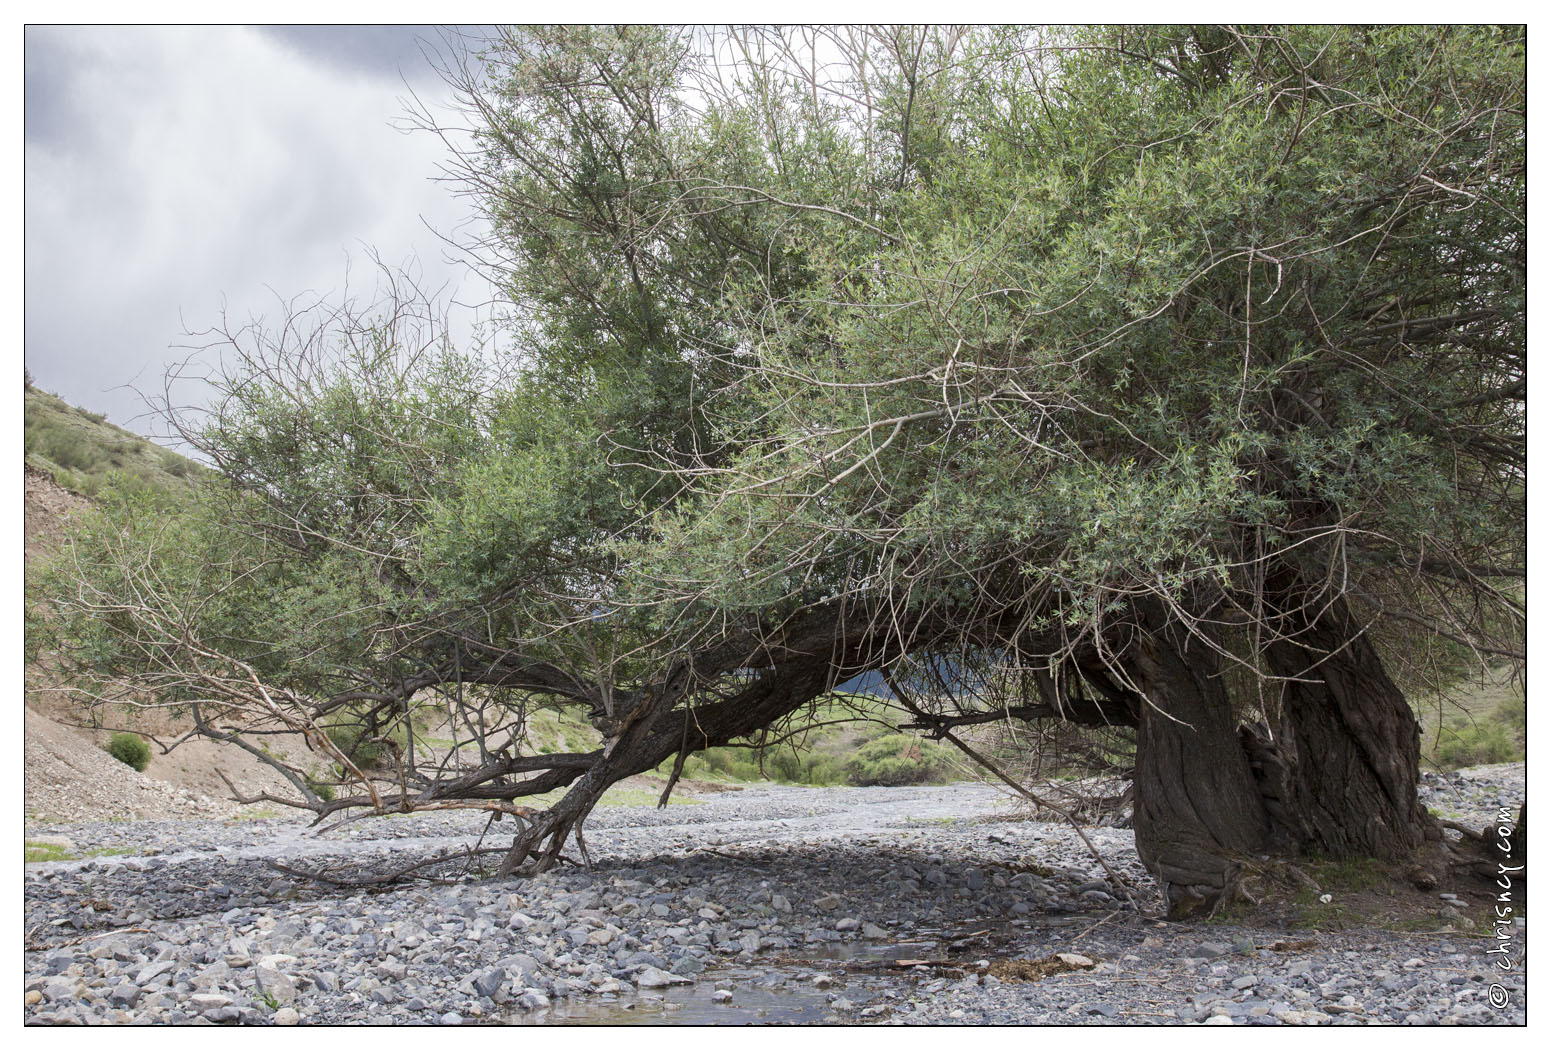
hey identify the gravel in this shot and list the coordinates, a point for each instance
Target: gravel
(773, 903)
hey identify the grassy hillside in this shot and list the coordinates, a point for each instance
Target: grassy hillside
(83, 452)
(1476, 723)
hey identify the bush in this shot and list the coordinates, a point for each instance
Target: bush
(363, 749)
(733, 764)
(784, 765)
(899, 759)
(175, 465)
(322, 789)
(131, 750)
(68, 449)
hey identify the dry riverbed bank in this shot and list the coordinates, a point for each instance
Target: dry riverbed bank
(771, 904)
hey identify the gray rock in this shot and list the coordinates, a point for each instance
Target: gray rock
(657, 978)
(124, 995)
(275, 984)
(687, 965)
(487, 983)
(155, 970)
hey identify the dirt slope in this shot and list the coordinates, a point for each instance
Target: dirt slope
(48, 507)
(68, 776)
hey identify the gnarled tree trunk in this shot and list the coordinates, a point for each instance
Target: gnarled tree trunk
(1348, 752)
(1198, 812)
(1336, 776)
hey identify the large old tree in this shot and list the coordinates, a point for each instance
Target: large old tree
(1173, 379)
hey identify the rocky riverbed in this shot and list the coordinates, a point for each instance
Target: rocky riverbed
(770, 904)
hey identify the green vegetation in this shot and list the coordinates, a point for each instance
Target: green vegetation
(899, 759)
(85, 453)
(1496, 737)
(623, 795)
(34, 851)
(551, 730)
(130, 749)
(1476, 724)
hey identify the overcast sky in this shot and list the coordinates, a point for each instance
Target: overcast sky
(174, 172)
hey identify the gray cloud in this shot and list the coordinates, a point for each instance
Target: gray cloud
(169, 170)
(391, 51)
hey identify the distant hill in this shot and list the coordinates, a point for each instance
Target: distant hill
(82, 451)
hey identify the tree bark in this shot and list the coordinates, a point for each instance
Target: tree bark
(1345, 773)
(1198, 812)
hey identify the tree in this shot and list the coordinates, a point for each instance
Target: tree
(1171, 378)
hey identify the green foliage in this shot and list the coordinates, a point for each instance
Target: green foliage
(1497, 736)
(130, 749)
(899, 759)
(1479, 719)
(551, 730)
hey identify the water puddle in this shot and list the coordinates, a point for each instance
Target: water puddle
(796, 987)
(754, 1002)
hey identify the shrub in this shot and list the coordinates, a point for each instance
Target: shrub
(784, 765)
(734, 764)
(130, 749)
(364, 749)
(175, 465)
(822, 770)
(322, 789)
(69, 449)
(899, 759)
(1497, 737)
